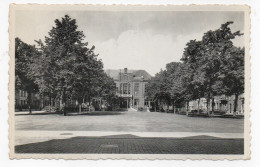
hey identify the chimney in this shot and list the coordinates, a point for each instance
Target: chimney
(125, 69)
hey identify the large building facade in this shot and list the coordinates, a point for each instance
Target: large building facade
(131, 87)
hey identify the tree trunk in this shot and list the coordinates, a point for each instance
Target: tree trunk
(208, 103)
(29, 101)
(79, 101)
(41, 105)
(79, 107)
(173, 106)
(52, 102)
(187, 108)
(64, 103)
(235, 104)
(160, 106)
(89, 101)
(49, 104)
(60, 105)
(212, 104)
(155, 105)
(101, 104)
(112, 105)
(199, 104)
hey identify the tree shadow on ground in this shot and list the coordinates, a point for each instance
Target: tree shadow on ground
(44, 113)
(127, 144)
(93, 113)
(96, 113)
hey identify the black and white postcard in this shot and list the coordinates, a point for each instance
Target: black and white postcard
(129, 82)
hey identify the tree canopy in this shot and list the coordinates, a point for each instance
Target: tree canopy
(24, 58)
(64, 66)
(209, 67)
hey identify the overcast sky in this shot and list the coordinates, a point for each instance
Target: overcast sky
(136, 40)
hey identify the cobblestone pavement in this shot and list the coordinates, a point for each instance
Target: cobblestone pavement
(130, 144)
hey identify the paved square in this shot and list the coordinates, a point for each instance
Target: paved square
(128, 132)
(128, 121)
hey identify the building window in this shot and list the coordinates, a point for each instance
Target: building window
(117, 89)
(136, 102)
(129, 88)
(136, 89)
(121, 88)
(125, 78)
(145, 89)
(125, 88)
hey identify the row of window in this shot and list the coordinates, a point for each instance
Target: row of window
(22, 93)
(125, 88)
(136, 102)
(23, 102)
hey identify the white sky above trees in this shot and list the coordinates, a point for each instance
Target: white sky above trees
(136, 40)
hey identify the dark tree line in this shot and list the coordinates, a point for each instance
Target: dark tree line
(209, 67)
(62, 67)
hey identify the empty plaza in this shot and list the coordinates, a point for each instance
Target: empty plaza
(126, 121)
(127, 132)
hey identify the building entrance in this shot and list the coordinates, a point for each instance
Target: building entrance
(125, 103)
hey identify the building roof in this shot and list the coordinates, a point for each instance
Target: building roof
(135, 73)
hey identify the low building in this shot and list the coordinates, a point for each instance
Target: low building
(21, 98)
(22, 101)
(224, 104)
(130, 86)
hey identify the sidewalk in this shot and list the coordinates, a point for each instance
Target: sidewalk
(26, 137)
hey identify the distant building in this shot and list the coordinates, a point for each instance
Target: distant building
(221, 103)
(22, 100)
(131, 86)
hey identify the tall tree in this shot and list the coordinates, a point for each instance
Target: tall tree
(209, 55)
(232, 74)
(191, 80)
(24, 80)
(72, 69)
(175, 76)
(216, 47)
(108, 91)
(158, 89)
